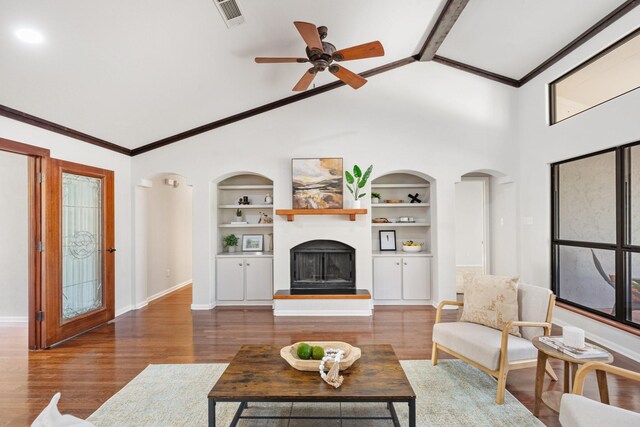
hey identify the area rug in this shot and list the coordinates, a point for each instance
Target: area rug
(450, 394)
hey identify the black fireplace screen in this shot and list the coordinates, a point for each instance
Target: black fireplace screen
(324, 265)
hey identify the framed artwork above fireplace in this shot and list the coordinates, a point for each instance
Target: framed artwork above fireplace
(317, 183)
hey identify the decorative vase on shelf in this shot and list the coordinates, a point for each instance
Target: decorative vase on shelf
(231, 249)
(355, 204)
(375, 200)
(268, 199)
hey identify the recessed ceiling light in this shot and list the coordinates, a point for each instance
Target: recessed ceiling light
(29, 35)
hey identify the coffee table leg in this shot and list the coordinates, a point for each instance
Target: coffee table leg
(602, 386)
(412, 413)
(540, 368)
(212, 413)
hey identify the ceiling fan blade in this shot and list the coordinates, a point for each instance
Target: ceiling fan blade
(309, 33)
(367, 50)
(349, 77)
(305, 81)
(261, 60)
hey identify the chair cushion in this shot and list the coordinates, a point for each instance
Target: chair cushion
(533, 304)
(481, 343)
(492, 301)
(580, 411)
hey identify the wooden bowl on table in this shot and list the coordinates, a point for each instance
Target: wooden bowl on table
(290, 354)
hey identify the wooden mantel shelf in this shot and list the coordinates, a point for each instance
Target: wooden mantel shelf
(291, 213)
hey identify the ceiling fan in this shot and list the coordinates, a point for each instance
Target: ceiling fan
(322, 55)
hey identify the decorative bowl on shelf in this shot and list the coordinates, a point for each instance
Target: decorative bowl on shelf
(290, 354)
(414, 247)
(394, 201)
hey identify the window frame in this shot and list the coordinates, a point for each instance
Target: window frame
(622, 247)
(582, 65)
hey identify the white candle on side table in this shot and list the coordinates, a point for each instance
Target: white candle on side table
(573, 337)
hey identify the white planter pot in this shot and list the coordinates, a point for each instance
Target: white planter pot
(375, 200)
(231, 249)
(355, 204)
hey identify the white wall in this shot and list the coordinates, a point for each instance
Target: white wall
(169, 231)
(14, 238)
(471, 204)
(607, 125)
(422, 117)
(73, 150)
(503, 205)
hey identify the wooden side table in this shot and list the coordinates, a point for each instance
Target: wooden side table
(552, 398)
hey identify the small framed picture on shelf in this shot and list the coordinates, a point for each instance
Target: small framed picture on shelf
(387, 240)
(252, 242)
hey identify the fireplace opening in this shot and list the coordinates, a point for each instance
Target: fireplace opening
(323, 265)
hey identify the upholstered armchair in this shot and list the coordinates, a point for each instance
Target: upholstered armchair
(494, 351)
(579, 411)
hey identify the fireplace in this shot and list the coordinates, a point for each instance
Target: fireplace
(320, 266)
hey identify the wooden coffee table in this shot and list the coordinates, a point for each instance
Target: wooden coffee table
(258, 374)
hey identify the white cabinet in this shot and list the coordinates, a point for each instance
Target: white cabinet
(242, 280)
(387, 278)
(402, 278)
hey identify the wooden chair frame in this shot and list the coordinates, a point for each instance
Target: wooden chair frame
(600, 368)
(503, 363)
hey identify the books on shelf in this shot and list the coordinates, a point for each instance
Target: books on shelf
(588, 352)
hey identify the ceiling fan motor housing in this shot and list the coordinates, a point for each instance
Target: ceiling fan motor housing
(321, 60)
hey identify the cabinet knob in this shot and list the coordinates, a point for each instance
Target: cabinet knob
(248, 264)
(405, 263)
(240, 264)
(397, 263)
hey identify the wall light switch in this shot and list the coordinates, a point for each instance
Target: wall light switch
(168, 273)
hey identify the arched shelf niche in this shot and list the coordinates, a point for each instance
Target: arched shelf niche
(399, 277)
(252, 195)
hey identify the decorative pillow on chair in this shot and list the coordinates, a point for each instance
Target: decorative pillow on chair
(492, 301)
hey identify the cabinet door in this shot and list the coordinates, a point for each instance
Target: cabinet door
(387, 278)
(416, 278)
(230, 279)
(259, 278)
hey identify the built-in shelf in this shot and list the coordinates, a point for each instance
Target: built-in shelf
(245, 206)
(246, 187)
(400, 224)
(401, 253)
(400, 205)
(240, 254)
(291, 213)
(245, 225)
(399, 185)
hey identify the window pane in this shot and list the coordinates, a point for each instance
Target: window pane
(634, 227)
(587, 277)
(633, 289)
(587, 199)
(612, 74)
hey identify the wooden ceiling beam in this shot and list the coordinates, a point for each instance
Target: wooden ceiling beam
(448, 17)
(62, 130)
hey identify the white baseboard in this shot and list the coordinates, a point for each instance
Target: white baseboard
(282, 312)
(168, 291)
(607, 336)
(123, 310)
(202, 306)
(140, 305)
(14, 319)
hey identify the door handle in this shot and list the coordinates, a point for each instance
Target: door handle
(111, 250)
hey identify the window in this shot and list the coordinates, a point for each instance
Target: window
(596, 233)
(611, 73)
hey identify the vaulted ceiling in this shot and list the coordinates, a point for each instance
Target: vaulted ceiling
(132, 72)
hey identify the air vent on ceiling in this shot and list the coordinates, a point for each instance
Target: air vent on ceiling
(230, 12)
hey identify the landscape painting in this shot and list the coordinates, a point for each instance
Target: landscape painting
(317, 183)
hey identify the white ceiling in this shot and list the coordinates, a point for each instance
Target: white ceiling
(135, 71)
(512, 37)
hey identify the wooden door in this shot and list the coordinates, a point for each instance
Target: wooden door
(230, 283)
(387, 278)
(258, 276)
(416, 278)
(80, 262)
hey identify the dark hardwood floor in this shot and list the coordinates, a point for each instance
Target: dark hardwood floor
(91, 368)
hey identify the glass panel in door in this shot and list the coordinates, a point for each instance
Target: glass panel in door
(82, 235)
